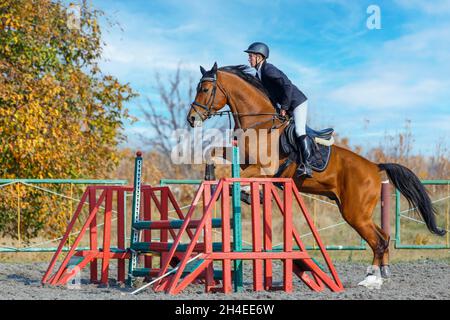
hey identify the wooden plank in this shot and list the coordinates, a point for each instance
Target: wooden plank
(121, 233)
(93, 236)
(207, 237)
(287, 237)
(147, 212)
(226, 238)
(267, 213)
(107, 237)
(256, 237)
(256, 255)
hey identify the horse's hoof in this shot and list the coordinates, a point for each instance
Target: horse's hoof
(371, 282)
(385, 272)
(245, 197)
(373, 279)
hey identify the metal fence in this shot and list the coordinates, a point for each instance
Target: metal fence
(44, 185)
(410, 231)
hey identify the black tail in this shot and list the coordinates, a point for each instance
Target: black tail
(413, 190)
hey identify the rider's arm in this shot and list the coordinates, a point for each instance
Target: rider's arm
(285, 86)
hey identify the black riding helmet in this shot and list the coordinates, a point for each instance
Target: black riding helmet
(259, 47)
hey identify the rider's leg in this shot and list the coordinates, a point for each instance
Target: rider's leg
(300, 114)
(304, 143)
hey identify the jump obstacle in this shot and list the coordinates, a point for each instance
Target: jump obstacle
(181, 264)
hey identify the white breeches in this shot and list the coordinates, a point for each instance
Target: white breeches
(300, 115)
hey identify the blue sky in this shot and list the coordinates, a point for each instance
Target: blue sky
(364, 83)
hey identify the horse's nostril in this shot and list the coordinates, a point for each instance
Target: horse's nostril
(192, 119)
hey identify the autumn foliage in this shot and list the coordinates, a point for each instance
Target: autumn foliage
(60, 115)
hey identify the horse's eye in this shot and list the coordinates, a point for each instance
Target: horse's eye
(205, 90)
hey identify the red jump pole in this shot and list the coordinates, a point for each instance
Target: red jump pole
(147, 207)
(287, 235)
(267, 235)
(163, 233)
(93, 235)
(121, 232)
(258, 284)
(208, 238)
(107, 235)
(226, 239)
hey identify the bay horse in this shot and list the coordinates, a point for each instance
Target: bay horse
(352, 181)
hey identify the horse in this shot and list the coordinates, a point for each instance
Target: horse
(349, 179)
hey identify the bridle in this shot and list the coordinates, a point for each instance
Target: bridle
(210, 104)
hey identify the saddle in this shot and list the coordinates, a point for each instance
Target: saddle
(322, 150)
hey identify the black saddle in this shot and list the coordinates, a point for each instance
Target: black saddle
(321, 155)
(323, 134)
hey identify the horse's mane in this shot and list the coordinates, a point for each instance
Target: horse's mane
(247, 74)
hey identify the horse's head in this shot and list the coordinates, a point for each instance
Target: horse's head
(208, 99)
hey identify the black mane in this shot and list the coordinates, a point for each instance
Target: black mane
(244, 72)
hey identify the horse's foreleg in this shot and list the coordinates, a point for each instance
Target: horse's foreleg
(218, 155)
(251, 171)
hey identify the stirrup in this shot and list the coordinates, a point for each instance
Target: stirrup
(303, 170)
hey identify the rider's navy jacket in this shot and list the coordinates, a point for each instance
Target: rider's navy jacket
(281, 89)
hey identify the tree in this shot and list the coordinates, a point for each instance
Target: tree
(60, 115)
(170, 115)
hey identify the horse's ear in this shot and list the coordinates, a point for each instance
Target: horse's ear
(214, 68)
(202, 70)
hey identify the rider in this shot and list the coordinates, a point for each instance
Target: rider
(283, 92)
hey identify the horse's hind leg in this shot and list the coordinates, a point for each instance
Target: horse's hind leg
(385, 270)
(359, 216)
(375, 238)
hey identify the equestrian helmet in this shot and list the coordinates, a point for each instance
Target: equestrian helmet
(259, 47)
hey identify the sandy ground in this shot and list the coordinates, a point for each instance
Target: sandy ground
(422, 280)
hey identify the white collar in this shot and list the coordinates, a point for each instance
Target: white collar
(259, 70)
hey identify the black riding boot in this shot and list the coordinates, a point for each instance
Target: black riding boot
(305, 145)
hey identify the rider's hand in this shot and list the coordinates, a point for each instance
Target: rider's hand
(283, 113)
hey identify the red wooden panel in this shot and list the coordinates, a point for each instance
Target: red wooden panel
(268, 277)
(287, 236)
(256, 237)
(121, 233)
(107, 237)
(93, 235)
(226, 238)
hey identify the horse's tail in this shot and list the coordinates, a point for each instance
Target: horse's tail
(413, 190)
